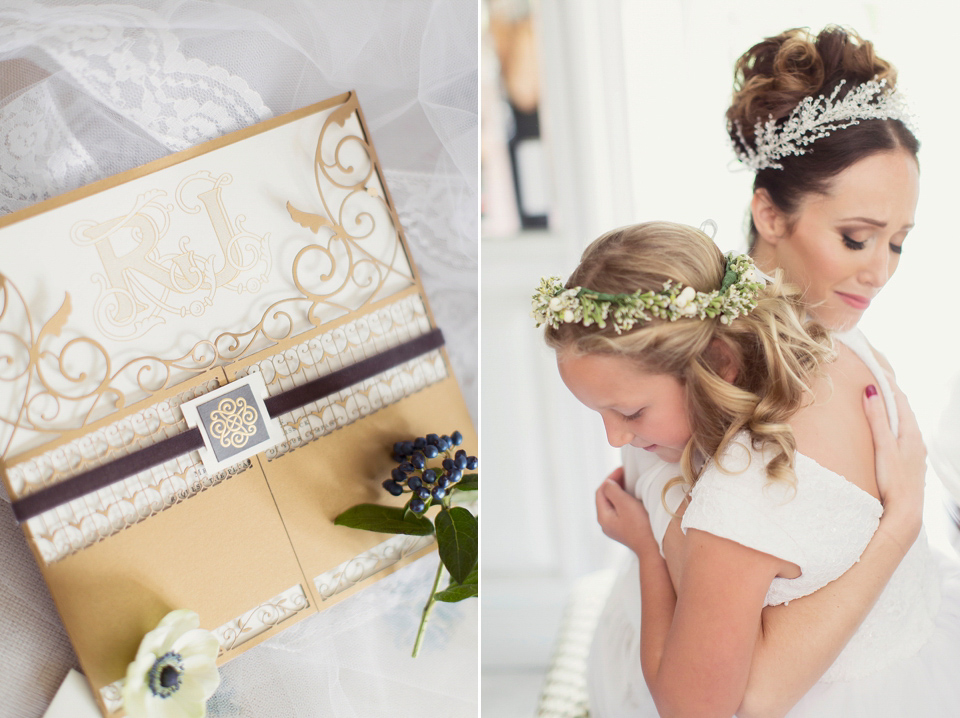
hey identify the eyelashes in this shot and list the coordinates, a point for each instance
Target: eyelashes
(850, 243)
(635, 415)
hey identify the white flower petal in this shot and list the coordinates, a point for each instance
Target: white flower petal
(180, 621)
(171, 626)
(197, 642)
(685, 297)
(189, 701)
(205, 677)
(155, 643)
(159, 708)
(135, 700)
(137, 671)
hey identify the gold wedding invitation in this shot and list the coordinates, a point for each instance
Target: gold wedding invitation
(203, 361)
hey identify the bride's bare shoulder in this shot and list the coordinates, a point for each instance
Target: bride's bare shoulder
(832, 428)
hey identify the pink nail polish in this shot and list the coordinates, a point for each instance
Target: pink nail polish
(871, 391)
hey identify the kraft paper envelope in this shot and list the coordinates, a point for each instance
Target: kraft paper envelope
(203, 361)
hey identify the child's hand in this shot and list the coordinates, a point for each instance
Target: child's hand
(623, 517)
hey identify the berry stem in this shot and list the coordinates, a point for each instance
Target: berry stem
(427, 610)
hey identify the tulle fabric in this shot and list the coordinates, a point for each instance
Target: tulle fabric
(90, 89)
(353, 660)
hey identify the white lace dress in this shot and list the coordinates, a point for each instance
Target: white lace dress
(905, 658)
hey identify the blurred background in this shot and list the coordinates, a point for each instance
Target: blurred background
(597, 114)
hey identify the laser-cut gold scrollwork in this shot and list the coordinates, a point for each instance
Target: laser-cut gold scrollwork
(233, 422)
(359, 251)
(54, 382)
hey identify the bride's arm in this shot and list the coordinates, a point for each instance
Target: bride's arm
(798, 642)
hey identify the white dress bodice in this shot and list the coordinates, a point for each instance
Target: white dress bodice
(822, 524)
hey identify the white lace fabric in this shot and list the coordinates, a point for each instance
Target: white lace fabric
(823, 527)
(822, 524)
(91, 89)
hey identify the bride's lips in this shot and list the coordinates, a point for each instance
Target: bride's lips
(650, 448)
(854, 300)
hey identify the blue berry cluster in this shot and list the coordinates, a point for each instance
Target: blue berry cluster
(428, 483)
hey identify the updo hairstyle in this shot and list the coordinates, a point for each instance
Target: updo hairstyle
(773, 352)
(773, 76)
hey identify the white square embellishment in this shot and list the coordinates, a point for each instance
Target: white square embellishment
(233, 421)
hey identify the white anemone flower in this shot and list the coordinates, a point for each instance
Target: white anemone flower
(175, 670)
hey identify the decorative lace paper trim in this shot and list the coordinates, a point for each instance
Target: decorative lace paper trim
(84, 521)
(266, 615)
(363, 565)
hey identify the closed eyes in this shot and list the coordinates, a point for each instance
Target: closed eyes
(851, 243)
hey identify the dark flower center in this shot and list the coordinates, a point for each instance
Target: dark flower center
(163, 679)
(170, 677)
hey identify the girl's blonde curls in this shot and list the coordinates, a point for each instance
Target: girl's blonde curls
(772, 353)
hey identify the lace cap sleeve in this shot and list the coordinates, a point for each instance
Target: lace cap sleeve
(645, 475)
(738, 502)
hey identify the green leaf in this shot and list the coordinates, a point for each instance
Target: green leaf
(457, 541)
(383, 519)
(455, 592)
(469, 482)
(473, 576)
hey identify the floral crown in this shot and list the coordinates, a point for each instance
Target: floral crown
(554, 304)
(817, 117)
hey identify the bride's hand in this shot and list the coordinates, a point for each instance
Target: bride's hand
(623, 517)
(900, 460)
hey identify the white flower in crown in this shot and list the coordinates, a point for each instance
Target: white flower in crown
(685, 297)
(816, 117)
(175, 670)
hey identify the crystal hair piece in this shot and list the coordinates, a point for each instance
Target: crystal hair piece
(817, 117)
(554, 304)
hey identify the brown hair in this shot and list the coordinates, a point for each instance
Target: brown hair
(774, 352)
(773, 76)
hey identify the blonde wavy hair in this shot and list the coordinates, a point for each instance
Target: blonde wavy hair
(774, 352)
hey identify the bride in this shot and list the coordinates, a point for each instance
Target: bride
(834, 218)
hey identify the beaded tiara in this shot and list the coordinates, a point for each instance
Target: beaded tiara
(555, 304)
(817, 117)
